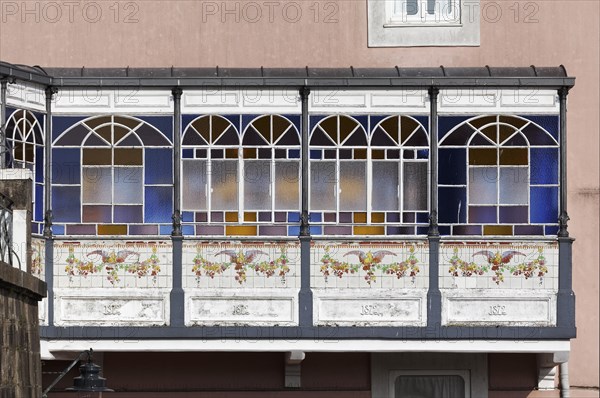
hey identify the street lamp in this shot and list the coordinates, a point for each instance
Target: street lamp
(89, 379)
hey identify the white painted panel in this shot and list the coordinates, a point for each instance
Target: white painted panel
(29, 96)
(82, 101)
(323, 99)
(488, 308)
(505, 101)
(266, 307)
(530, 98)
(209, 98)
(271, 98)
(146, 100)
(416, 100)
(139, 307)
(352, 307)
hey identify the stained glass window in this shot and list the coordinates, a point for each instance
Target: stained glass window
(25, 142)
(498, 170)
(241, 183)
(112, 176)
(375, 183)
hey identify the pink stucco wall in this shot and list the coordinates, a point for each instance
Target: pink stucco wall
(334, 34)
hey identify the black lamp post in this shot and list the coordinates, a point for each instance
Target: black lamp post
(89, 379)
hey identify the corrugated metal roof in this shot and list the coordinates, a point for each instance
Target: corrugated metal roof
(393, 77)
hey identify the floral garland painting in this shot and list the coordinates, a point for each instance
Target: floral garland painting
(370, 262)
(242, 262)
(112, 262)
(499, 263)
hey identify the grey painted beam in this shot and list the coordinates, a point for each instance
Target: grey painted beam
(3, 147)
(49, 273)
(310, 332)
(565, 301)
(563, 218)
(177, 296)
(50, 91)
(177, 92)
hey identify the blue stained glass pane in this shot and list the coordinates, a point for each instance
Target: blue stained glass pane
(316, 230)
(482, 214)
(188, 154)
(551, 229)
(165, 229)
(422, 230)
(544, 204)
(66, 204)
(293, 231)
(39, 164)
(423, 154)
(548, 122)
(187, 216)
(163, 123)
(400, 231)
(423, 217)
(363, 120)
(451, 168)
(393, 217)
(316, 217)
(295, 119)
(128, 214)
(544, 165)
(294, 154)
(188, 230)
(293, 217)
(447, 123)
(186, 120)
(61, 123)
(247, 119)
(444, 229)
(159, 165)
(513, 214)
(424, 120)
(316, 154)
(66, 165)
(314, 120)
(39, 202)
(58, 229)
(452, 205)
(158, 204)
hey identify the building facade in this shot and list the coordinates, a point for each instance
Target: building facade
(323, 231)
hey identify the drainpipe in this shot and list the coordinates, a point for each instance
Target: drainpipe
(565, 388)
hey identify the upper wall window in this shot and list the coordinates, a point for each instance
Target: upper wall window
(368, 184)
(25, 141)
(241, 183)
(112, 175)
(422, 12)
(498, 175)
(414, 23)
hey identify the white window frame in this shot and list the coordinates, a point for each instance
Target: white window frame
(386, 28)
(464, 374)
(422, 17)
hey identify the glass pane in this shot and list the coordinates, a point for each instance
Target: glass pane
(483, 185)
(385, 186)
(97, 184)
(322, 186)
(414, 183)
(65, 204)
(450, 386)
(194, 185)
(353, 185)
(158, 204)
(128, 185)
(97, 213)
(513, 185)
(224, 185)
(287, 185)
(257, 185)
